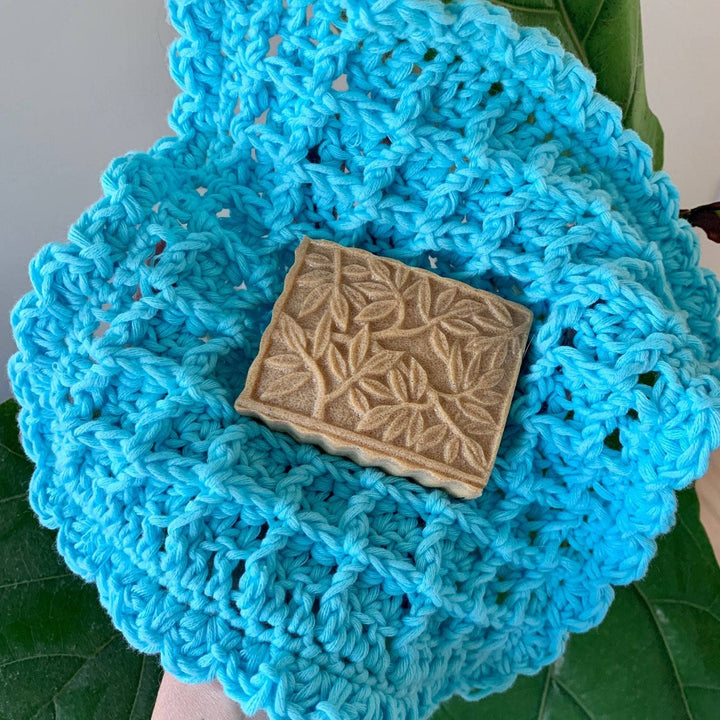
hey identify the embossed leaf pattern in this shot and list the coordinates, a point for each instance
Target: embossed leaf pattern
(355, 272)
(456, 366)
(380, 363)
(459, 327)
(376, 389)
(285, 385)
(356, 315)
(340, 310)
(315, 299)
(315, 260)
(322, 335)
(431, 437)
(337, 363)
(315, 278)
(359, 347)
(377, 417)
(473, 452)
(500, 313)
(424, 299)
(440, 343)
(293, 334)
(376, 311)
(444, 300)
(398, 424)
(418, 380)
(358, 401)
(398, 385)
(284, 361)
(451, 449)
(475, 411)
(415, 427)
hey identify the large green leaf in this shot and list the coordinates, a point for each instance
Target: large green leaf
(656, 656)
(60, 656)
(607, 36)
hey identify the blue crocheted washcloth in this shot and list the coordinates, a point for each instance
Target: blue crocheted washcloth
(310, 586)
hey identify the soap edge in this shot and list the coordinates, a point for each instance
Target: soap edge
(299, 429)
(523, 309)
(254, 371)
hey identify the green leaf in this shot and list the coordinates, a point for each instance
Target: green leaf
(606, 35)
(654, 656)
(60, 656)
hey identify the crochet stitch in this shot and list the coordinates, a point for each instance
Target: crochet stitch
(443, 135)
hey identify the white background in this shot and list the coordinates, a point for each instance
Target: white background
(84, 81)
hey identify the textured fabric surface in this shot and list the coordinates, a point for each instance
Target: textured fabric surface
(441, 135)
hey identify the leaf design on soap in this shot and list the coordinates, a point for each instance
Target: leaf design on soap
(480, 428)
(355, 272)
(315, 298)
(451, 450)
(340, 310)
(402, 273)
(314, 277)
(490, 379)
(473, 452)
(466, 307)
(284, 361)
(398, 385)
(359, 347)
(358, 401)
(474, 410)
(424, 298)
(285, 385)
(322, 335)
(376, 417)
(337, 363)
(485, 324)
(376, 389)
(498, 310)
(376, 311)
(415, 427)
(380, 363)
(292, 333)
(440, 343)
(417, 379)
(444, 300)
(398, 424)
(474, 369)
(455, 369)
(459, 327)
(380, 269)
(480, 343)
(431, 437)
(409, 358)
(495, 356)
(375, 290)
(318, 260)
(411, 290)
(354, 296)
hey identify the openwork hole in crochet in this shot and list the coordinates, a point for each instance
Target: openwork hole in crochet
(449, 138)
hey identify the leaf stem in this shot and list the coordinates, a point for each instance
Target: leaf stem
(342, 387)
(392, 332)
(400, 319)
(437, 406)
(319, 380)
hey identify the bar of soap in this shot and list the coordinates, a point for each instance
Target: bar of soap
(390, 365)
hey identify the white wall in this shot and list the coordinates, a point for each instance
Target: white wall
(682, 57)
(84, 81)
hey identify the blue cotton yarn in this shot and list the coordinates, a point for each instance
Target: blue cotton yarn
(312, 587)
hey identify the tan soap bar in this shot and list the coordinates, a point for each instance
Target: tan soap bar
(389, 365)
